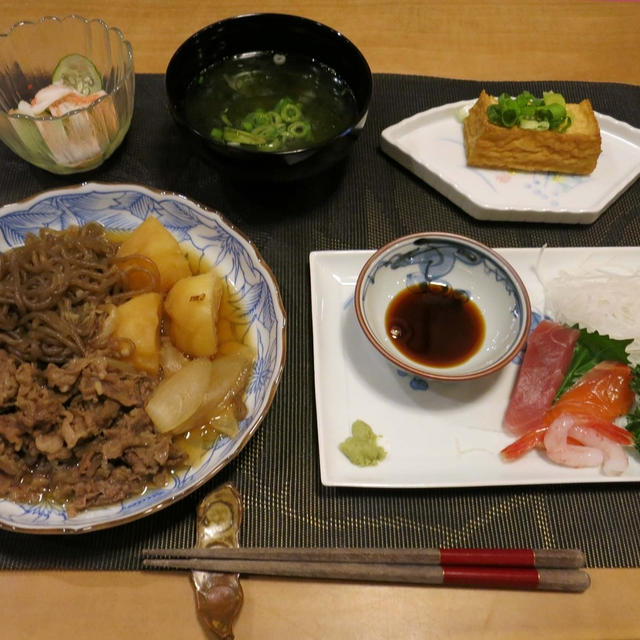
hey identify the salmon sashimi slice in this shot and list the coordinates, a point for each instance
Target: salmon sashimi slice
(603, 392)
(546, 360)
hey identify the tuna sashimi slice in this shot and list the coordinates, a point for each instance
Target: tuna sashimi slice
(546, 360)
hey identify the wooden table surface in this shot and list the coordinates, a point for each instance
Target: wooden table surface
(491, 40)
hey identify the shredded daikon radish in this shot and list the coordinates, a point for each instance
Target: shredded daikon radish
(597, 296)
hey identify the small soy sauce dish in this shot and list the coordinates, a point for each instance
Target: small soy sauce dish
(442, 306)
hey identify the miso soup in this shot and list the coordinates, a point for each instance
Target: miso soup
(270, 102)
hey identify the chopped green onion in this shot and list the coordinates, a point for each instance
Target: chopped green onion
(494, 115)
(291, 112)
(509, 117)
(299, 129)
(259, 117)
(238, 136)
(565, 125)
(534, 125)
(266, 130)
(551, 97)
(274, 117)
(528, 112)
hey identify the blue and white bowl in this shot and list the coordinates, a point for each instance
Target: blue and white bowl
(462, 264)
(205, 233)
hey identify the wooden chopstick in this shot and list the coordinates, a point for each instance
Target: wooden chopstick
(574, 580)
(381, 565)
(540, 558)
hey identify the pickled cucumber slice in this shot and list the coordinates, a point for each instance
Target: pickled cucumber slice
(78, 72)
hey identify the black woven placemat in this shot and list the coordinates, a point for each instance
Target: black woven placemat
(371, 202)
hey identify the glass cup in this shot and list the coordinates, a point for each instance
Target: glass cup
(81, 139)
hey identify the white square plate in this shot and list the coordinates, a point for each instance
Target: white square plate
(431, 145)
(441, 436)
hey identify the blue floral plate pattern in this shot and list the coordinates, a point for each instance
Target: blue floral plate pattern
(209, 235)
(463, 265)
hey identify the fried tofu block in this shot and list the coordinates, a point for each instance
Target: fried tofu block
(575, 151)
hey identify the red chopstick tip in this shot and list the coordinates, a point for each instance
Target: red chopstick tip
(488, 557)
(547, 558)
(492, 577)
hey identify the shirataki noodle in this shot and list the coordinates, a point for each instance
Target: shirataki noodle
(72, 422)
(56, 292)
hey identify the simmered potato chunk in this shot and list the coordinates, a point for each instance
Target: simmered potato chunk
(192, 305)
(138, 320)
(155, 242)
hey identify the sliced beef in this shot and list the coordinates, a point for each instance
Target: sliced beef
(8, 382)
(39, 406)
(79, 433)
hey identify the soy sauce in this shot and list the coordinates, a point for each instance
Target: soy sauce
(435, 325)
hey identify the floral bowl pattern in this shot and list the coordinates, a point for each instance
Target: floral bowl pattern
(462, 264)
(122, 207)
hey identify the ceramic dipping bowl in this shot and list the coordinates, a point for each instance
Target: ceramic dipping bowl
(442, 306)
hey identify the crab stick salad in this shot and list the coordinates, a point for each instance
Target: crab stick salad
(56, 100)
(575, 397)
(75, 85)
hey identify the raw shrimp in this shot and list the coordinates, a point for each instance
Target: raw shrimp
(560, 451)
(596, 399)
(594, 450)
(616, 460)
(535, 438)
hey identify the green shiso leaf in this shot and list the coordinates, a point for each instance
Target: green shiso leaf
(592, 348)
(633, 418)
